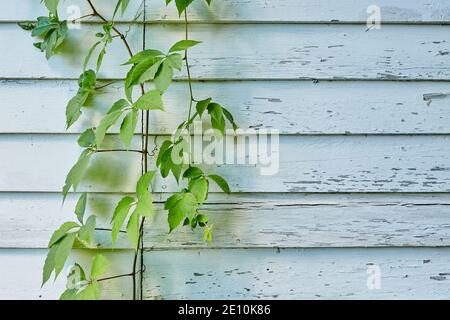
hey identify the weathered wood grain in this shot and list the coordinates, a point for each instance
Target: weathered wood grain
(231, 11)
(29, 10)
(306, 164)
(292, 108)
(243, 52)
(398, 11)
(291, 221)
(297, 274)
(21, 275)
(255, 273)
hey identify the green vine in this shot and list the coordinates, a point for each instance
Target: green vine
(149, 65)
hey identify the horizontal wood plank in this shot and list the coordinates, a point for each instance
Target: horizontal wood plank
(243, 221)
(242, 52)
(21, 275)
(397, 11)
(290, 107)
(256, 273)
(306, 164)
(297, 274)
(232, 11)
(29, 10)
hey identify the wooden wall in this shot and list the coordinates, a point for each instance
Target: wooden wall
(364, 174)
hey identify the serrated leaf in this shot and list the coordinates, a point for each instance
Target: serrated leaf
(230, 118)
(163, 77)
(62, 231)
(217, 119)
(73, 109)
(107, 122)
(99, 266)
(183, 45)
(91, 292)
(143, 71)
(75, 174)
(174, 61)
(202, 105)
(144, 206)
(172, 200)
(128, 127)
(86, 233)
(186, 207)
(119, 216)
(63, 252)
(221, 182)
(144, 183)
(164, 147)
(49, 265)
(143, 55)
(199, 188)
(151, 100)
(133, 230)
(192, 173)
(87, 138)
(80, 207)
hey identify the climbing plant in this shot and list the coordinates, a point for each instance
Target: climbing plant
(148, 65)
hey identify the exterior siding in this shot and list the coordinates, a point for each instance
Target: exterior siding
(364, 177)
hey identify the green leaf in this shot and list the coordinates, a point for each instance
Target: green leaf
(87, 80)
(119, 216)
(193, 173)
(183, 45)
(75, 175)
(91, 292)
(87, 138)
(174, 61)
(199, 188)
(118, 106)
(62, 231)
(182, 5)
(99, 266)
(202, 105)
(163, 78)
(86, 233)
(133, 230)
(69, 294)
(144, 207)
(164, 147)
(150, 101)
(123, 4)
(230, 118)
(217, 119)
(143, 71)
(144, 183)
(27, 26)
(171, 201)
(80, 208)
(208, 234)
(107, 122)
(128, 127)
(221, 182)
(186, 207)
(63, 252)
(73, 109)
(89, 55)
(144, 55)
(49, 265)
(52, 6)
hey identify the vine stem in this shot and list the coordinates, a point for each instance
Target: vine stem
(188, 69)
(144, 136)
